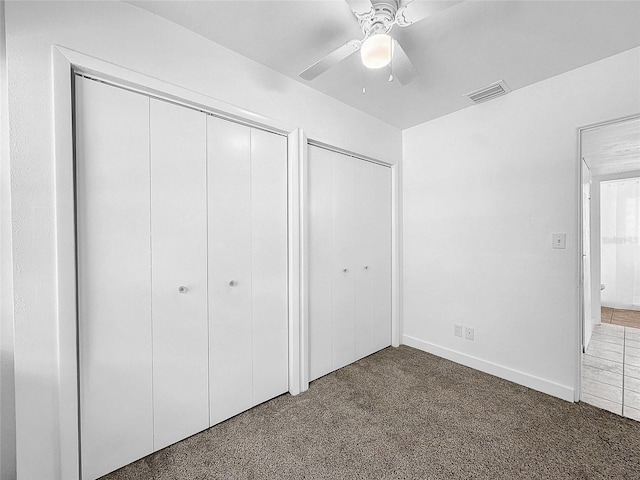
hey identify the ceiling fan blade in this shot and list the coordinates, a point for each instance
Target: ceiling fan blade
(415, 10)
(402, 67)
(332, 59)
(360, 7)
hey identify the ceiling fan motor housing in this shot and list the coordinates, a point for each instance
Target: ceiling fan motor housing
(377, 47)
(380, 19)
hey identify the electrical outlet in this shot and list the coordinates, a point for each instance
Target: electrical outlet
(457, 330)
(468, 333)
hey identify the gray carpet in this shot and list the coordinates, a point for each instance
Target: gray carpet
(404, 414)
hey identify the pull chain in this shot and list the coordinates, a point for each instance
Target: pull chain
(391, 59)
(364, 79)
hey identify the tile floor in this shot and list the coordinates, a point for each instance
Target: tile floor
(616, 316)
(611, 370)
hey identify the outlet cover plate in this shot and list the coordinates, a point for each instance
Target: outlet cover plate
(457, 330)
(468, 333)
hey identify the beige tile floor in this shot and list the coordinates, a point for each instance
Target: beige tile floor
(611, 370)
(616, 316)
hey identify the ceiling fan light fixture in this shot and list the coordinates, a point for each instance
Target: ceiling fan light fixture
(376, 51)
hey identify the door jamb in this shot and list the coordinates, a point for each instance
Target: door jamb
(581, 346)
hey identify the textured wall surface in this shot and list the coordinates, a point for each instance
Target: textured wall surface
(484, 189)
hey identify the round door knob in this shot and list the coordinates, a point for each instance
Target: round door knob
(345, 270)
(183, 289)
(233, 283)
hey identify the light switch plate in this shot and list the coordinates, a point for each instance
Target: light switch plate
(558, 240)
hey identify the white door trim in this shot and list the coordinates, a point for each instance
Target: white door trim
(65, 62)
(297, 215)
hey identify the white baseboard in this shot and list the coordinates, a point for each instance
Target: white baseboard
(521, 378)
(621, 306)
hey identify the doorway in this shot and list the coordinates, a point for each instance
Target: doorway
(610, 178)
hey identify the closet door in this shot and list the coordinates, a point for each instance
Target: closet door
(349, 268)
(365, 267)
(269, 265)
(342, 261)
(114, 276)
(230, 326)
(320, 268)
(381, 237)
(179, 257)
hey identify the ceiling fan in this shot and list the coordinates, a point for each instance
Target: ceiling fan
(378, 48)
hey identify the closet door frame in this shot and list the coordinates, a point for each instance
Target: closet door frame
(395, 240)
(66, 64)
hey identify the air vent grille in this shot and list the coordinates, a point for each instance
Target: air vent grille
(487, 93)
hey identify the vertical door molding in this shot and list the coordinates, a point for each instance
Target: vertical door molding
(66, 426)
(298, 238)
(396, 256)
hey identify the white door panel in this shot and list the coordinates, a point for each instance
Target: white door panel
(382, 233)
(231, 356)
(179, 253)
(349, 228)
(182, 272)
(114, 276)
(269, 264)
(364, 265)
(342, 242)
(319, 175)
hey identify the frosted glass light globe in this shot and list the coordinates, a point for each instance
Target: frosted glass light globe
(376, 51)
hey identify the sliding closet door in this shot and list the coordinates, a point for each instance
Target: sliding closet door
(320, 268)
(269, 265)
(231, 362)
(114, 276)
(179, 255)
(365, 267)
(382, 255)
(342, 260)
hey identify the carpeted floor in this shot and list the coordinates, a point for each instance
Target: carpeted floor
(405, 414)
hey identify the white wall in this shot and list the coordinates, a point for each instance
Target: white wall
(7, 402)
(484, 188)
(132, 38)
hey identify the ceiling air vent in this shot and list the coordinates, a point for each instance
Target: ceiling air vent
(487, 93)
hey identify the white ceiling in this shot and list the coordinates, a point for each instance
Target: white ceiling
(460, 49)
(612, 148)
